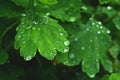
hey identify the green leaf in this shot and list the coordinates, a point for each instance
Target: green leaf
(112, 14)
(114, 50)
(89, 45)
(65, 10)
(3, 56)
(42, 33)
(114, 76)
(8, 9)
(23, 3)
(49, 1)
(104, 1)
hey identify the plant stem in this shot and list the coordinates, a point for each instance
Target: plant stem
(7, 29)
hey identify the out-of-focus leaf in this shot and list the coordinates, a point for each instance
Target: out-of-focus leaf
(8, 9)
(3, 56)
(104, 1)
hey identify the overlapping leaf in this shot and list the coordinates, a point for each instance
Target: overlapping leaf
(3, 56)
(64, 10)
(8, 9)
(89, 45)
(42, 33)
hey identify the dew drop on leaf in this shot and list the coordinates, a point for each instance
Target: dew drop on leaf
(98, 32)
(99, 23)
(23, 14)
(109, 8)
(83, 48)
(47, 14)
(23, 42)
(66, 43)
(28, 58)
(76, 39)
(72, 19)
(34, 22)
(33, 28)
(92, 76)
(71, 56)
(108, 31)
(61, 34)
(66, 50)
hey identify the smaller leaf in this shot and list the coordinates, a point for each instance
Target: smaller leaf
(3, 56)
(48, 1)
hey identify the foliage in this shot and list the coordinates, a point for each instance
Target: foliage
(59, 40)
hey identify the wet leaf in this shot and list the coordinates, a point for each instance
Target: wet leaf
(89, 46)
(40, 33)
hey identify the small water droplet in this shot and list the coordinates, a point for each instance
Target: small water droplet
(34, 22)
(27, 58)
(61, 34)
(29, 27)
(83, 48)
(71, 56)
(108, 31)
(38, 29)
(23, 42)
(98, 32)
(99, 23)
(76, 39)
(66, 50)
(72, 19)
(109, 7)
(33, 28)
(84, 7)
(87, 29)
(23, 14)
(19, 36)
(92, 76)
(47, 14)
(93, 24)
(91, 40)
(66, 43)
(101, 27)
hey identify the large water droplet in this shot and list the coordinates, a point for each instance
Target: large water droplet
(27, 58)
(72, 19)
(71, 56)
(66, 50)
(66, 43)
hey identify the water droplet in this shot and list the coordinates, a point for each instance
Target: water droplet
(99, 23)
(87, 29)
(34, 22)
(71, 56)
(19, 36)
(28, 27)
(27, 58)
(98, 32)
(101, 27)
(47, 14)
(84, 7)
(108, 31)
(23, 14)
(76, 39)
(66, 50)
(66, 62)
(91, 40)
(23, 42)
(61, 34)
(109, 7)
(38, 29)
(66, 43)
(83, 48)
(93, 24)
(92, 76)
(72, 19)
(33, 28)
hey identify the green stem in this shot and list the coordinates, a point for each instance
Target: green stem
(111, 18)
(7, 29)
